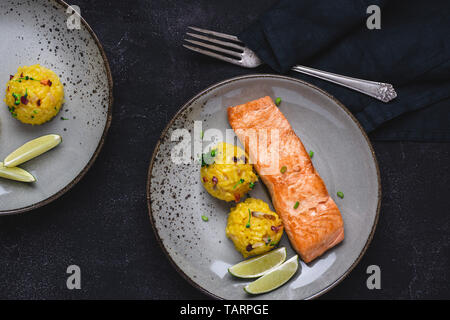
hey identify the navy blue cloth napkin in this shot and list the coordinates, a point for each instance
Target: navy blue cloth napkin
(410, 51)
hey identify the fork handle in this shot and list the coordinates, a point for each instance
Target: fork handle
(378, 90)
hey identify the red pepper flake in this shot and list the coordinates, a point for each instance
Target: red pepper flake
(24, 100)
(21, 75)
(205, 179)
(215, 180)
(276, 229)
(237, 197)
(235, 159)
(10, 77)
(7, 89)
(46, 82)
(249, 247)
(39, 102)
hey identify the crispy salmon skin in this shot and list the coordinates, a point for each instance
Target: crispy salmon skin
(311, 218)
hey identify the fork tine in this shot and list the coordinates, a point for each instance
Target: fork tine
(223, 43)
(216, 34)
(215, 48)
(212, 54)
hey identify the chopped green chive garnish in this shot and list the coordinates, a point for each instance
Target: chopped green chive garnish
(283, 169)
(278, 101)
(17, 98)
(251, 185)
(240, 181)
(249, 217)
(208, 158)
(35, 111)
(340, 194)
(205, 218)
(25, 78)
(296, 205)
(311, 154)
(62, 118)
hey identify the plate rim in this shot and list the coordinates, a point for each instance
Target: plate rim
(253, 76)
(102, 139)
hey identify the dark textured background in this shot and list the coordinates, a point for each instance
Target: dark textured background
(102, 224)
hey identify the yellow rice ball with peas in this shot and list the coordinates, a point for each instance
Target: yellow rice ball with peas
(226, 173)
(253, 227)
(34, 95)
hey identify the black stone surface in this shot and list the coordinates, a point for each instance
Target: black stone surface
(102, 224)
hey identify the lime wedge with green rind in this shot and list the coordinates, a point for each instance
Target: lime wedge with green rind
(274, 278)
(16, 174)
(258, 266)
(32, 149)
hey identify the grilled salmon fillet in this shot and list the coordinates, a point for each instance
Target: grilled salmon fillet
(311, 218)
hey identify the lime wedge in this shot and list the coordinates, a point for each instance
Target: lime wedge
(256, 267)
(274, 278)
(32, 149)
(17, 174)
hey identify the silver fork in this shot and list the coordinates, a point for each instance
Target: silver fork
(237, 53)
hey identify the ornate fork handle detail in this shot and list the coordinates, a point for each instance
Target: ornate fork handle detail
(381, 91)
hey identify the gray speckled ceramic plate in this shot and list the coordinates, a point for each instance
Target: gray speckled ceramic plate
(35, 32)
(343, 157)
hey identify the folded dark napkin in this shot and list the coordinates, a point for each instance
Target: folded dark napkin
(410, 51)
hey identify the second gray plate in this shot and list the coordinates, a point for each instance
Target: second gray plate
(343, 156)
(39, 33)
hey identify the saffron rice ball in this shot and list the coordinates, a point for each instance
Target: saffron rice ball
(226, 172)
(34, 95)
(253, 227)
